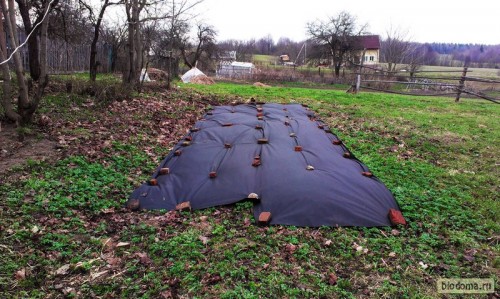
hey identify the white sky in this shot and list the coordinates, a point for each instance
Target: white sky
(455, 21)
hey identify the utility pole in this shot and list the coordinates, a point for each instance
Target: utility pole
(305, 52)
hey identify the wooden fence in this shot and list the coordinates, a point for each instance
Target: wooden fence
(371, 78)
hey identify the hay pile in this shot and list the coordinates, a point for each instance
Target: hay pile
(261, 84)
(202, 79)
(157, 74)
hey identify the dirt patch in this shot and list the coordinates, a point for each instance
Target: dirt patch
(15, 153)
(448, 138)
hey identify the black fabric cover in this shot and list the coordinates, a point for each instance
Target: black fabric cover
(334, 193)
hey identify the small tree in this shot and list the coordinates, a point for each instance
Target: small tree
(338, 35)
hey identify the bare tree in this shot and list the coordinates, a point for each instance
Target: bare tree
(338, 35)
(115, 37)
(96, 23)
(287, 46)
(176, 11)
(243, 49)
(415, 59)
(27, 101)
(265, 45)
(396, 48)
(205, 42)
(179, 17)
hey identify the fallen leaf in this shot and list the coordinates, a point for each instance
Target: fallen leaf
(291, 248)
(108, 211)
(35, 229)
(63, 270)
(332, 279)
(21, 274)
(68, 291)
(203, 240)
(113, 261)
(144, 258)
(395, 232)
(82, 264)
(469, 258)
(122, 244)
(98, 274)
(424, 266)
(166, 294)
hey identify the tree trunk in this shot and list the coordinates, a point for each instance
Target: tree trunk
(10, 21)
(93, 45)
(185, 58)
(7, 93)
(7, 82)
(337, 70)
(134, 61)
(126, 79)
(27, 107)
(3, 46)
(42, 83)
(33, 59)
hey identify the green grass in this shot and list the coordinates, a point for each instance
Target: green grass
(264, 59)
(438, 158)
(84, 76)
(440, 71)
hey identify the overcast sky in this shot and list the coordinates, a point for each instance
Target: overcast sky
(452, 21)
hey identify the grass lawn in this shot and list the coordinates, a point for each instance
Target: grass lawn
(264, 59)
(63, 231)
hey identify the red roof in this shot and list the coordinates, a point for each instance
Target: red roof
(369, 42)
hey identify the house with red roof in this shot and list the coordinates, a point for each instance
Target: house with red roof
(371, 45)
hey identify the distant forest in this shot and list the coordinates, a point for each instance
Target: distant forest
(480, 55)
(439, 54)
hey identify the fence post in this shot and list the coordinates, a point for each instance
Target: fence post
(461, 83)
(358, 77)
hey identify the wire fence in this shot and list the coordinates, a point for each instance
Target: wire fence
(63, 57)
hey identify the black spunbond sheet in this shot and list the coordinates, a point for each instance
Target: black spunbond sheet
(301, 172)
